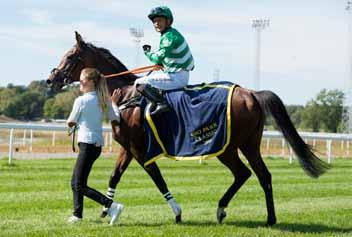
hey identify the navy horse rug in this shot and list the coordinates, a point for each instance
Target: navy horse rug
(198, 125)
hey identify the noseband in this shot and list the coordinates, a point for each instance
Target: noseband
(66, 74)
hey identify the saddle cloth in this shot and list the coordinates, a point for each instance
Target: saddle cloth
(198, 125)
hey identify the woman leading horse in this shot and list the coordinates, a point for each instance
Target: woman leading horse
(248, 110)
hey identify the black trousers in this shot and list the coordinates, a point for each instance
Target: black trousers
(88, 153)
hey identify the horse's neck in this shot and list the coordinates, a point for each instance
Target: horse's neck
(107, 68)
(125, 83)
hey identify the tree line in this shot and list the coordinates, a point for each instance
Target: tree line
(37, 101)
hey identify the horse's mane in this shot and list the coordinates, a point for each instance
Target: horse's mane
(109, 57)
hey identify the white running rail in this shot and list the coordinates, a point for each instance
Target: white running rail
(328, 137)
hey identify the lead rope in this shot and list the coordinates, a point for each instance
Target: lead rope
(72, 131)
(136, 71)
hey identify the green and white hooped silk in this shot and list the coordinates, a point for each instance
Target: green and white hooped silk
(174, 53)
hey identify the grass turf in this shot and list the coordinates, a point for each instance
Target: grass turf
(36, 200)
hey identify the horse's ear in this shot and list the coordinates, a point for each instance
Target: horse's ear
(80, 41)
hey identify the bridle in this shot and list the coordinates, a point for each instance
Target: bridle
(66, 73)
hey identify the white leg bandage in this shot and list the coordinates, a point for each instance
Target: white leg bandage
(174, 206)
(110, 193)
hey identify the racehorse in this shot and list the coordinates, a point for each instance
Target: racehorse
(248, 110)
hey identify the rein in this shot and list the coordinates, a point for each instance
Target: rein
(136, 71)
(134, 101)
(72, 131)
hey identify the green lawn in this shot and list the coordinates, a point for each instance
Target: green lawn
(35, 200)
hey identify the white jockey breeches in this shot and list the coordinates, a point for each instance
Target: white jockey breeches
(164, 80)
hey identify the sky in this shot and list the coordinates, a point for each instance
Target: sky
(304, 49)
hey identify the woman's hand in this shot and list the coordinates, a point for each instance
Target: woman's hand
(71, 124)
(116, 96)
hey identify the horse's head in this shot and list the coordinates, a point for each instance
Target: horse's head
(87, 55)
(71, 65)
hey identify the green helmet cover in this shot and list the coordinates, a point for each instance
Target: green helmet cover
(161, 11)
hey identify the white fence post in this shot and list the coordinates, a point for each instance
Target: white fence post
(291, 155)
(110, 142)
(10, 146)
(53, 139)
(267, 144)
(24, 137)
(106, 140)
(328, 150)
(348, 147)
(283, 142)
(31, 141)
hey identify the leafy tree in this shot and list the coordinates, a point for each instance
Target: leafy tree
(60, 106)
(6, 97)
(28, 106)
(39, 87)
(325, 112)
(17, 89)
(331, 102)
(48, 108)
(295, 113)
(22, 102)
(311, 116)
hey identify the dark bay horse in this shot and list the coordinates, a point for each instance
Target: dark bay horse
(248, 109)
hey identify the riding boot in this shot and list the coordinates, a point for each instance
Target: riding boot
(156, 98)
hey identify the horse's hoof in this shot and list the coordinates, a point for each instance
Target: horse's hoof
(103, 214)
(271, 222)
(220, 215)
(178, 219)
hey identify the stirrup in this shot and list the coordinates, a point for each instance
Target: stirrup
(158, 109)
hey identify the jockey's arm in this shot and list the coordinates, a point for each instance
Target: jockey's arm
(156, 57)
(166, 46)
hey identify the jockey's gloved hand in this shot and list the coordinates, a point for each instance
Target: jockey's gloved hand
(147, 48)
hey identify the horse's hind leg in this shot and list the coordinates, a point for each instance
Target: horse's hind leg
(240, 172)
(251, 150)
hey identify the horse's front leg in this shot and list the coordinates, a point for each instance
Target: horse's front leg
(154, 172)
(124, 159)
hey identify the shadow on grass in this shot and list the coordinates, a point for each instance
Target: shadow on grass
(285, 227)
(106, 222)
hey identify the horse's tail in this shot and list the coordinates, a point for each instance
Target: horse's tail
(270, 103)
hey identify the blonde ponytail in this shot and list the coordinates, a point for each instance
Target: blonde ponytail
(101, 87)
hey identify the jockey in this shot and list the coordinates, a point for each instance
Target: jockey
(173, 54)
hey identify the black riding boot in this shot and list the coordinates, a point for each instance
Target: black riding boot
(154, 95)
